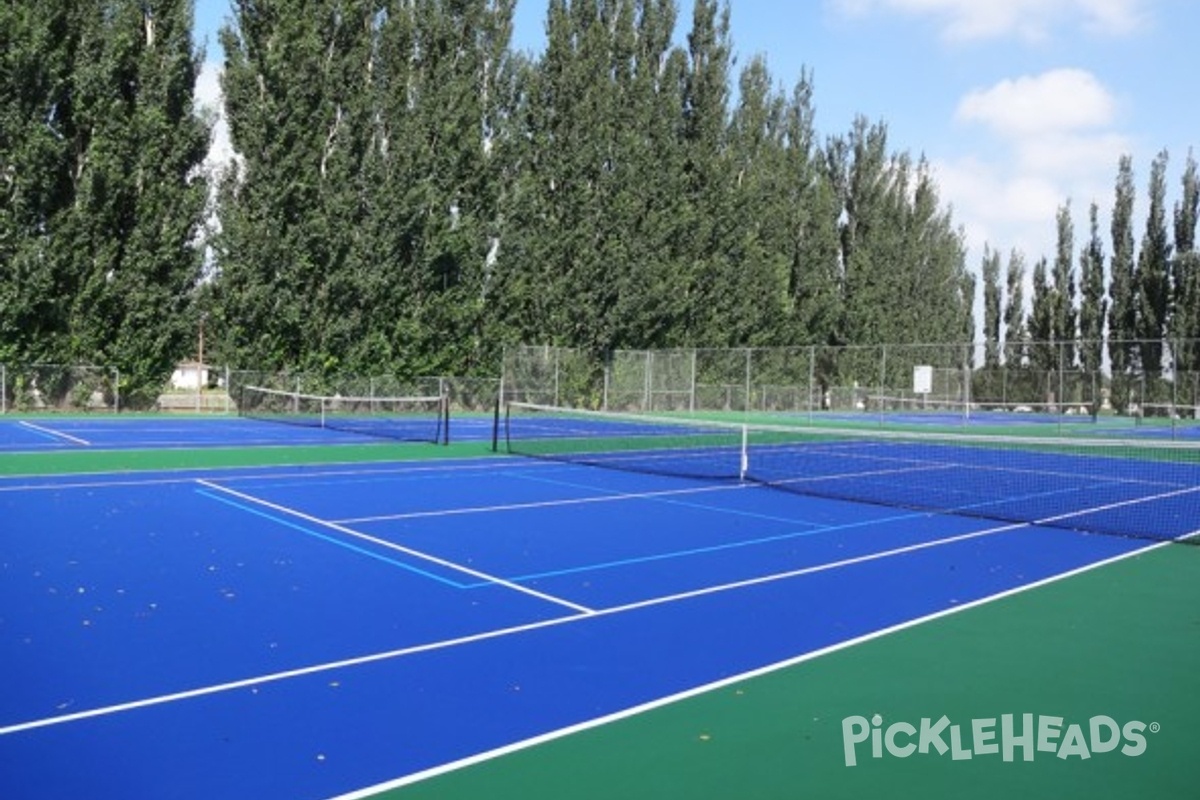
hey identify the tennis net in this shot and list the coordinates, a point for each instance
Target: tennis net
(409, 419)
(1139, 489)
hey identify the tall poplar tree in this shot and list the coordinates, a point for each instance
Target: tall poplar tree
(288, 216)
(1122, 313)
(1153, 273)
(707, 171)
(1066, 322)
(814, 278)
(1093, 305)
(1044, 346)
(992, 299)
(1016, 329)
(1185, 323)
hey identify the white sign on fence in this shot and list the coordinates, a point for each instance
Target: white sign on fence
(922, 379)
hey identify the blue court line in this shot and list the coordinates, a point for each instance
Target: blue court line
(777, 538)
(709, 549)
(333, 540)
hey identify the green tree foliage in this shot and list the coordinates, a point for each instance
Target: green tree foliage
(410, 196)
(357, 227)
(1122, 313)
(1153, 282)
(993, 294)
(1065, 326)
(904, 262)
(590, 241)
(38, 41)
(707, 174)
(1185, 325)
(105, 195)
(1043, 350)
(1092, 305)
(815, 273)
(1016, 329)
(290, 269)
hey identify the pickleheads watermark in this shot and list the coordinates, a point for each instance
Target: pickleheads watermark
(1010, 737)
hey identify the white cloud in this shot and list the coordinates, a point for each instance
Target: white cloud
(1071, 156)
(1059, 100)
(1030, 20)
(1056, 141)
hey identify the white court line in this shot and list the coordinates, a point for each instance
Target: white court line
(474, 573)
(55, 433)
(566, 501)
(1120, 504)
(416, 777)
(598, 613)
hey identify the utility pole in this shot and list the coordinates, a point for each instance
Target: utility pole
(200, 367)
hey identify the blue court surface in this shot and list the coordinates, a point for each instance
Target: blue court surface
(311, 632)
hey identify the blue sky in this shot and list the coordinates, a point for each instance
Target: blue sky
(1019, 105)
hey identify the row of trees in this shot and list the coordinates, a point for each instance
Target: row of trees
(411, 195)
(1139, 299)
(415, 194)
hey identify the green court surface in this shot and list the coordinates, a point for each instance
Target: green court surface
(1121, 640)
(110, 461)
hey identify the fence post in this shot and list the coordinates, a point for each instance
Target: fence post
(692, 387)
(882, 381)
(812, 377)
(608, 359)
(749, 368)
(646, 380)
(556, 386)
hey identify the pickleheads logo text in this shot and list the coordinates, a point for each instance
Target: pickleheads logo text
(1009, 737)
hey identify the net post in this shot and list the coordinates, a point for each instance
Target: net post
(744, 461)
(445, 412)
(496, 426)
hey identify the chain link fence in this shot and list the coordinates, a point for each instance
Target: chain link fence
(1045, 378)
(878, 379)
(45, 388)
(53, 388)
